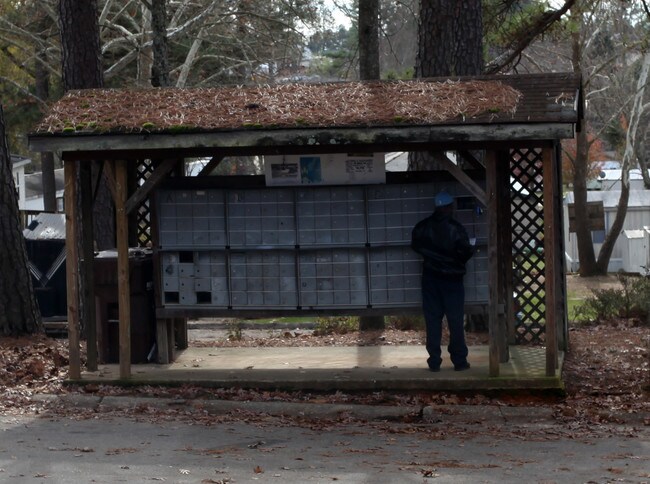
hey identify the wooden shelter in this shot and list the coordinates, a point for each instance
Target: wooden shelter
(505, 130)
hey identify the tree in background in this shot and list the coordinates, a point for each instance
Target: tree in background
(25, 62)
(82, 69)
(450, 38)
(337, 52)
(368, 21)
(334, 53)
(160, 65)
(20, 312)
(608, 41)
(399, 32)
(569, 156)
(511, 27)
(450, 43)
(636, 109)
(80, 48)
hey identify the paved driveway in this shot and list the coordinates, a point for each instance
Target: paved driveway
(241, 449)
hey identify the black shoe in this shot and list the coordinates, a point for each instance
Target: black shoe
(434, 369)
(462, 367)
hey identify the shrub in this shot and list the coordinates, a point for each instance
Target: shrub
(640, 296)
(605, 303)
(632, 300)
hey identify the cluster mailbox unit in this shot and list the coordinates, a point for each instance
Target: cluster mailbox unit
(304, 248)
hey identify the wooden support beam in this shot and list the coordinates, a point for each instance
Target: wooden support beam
(504, 251)
(510, 329)
(72, 267)
(171, 339)
(180, 333)
(471, 159)
(413, 138)
(562, 309)
(123, 282)
(109, 174)
(462, 177)
(550, 258)
(162, 340)
(493, 262)
(87, 267)
(212, 164)
(152, 182)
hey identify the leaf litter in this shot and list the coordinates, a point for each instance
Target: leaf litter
(606, 372)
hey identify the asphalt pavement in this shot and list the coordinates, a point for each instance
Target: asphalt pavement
(241, 442)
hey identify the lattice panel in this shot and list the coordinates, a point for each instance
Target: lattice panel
(528, 243)
(143, 213)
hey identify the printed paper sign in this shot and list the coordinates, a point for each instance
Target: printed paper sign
(334, 169)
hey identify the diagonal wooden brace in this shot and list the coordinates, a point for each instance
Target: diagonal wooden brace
(152, 182)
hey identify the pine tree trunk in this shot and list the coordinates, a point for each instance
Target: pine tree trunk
(42, 87)
(160, 69)
(80, 50)
(82, 69)
(368, 40)
(19, 313)
(450, 39)
(450, 44)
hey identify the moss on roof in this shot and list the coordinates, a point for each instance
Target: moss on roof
(348, 104)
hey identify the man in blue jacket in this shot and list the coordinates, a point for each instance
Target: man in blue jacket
(443, 243)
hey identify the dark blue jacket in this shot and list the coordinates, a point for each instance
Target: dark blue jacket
(444, 244)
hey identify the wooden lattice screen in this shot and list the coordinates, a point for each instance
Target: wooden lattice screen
(528, 243)
(143, 213)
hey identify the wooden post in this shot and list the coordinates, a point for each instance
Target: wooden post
(162, 344)
(72, 267)
(123, 283)
(550, 258)
(88, 253)
(162, 340)
(493, 261)
(560, 281)
(505, 253)
(180, 333)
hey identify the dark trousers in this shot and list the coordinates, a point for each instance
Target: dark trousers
(442, 297)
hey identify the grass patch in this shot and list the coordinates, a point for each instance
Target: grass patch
(577, 310)
(336, 325)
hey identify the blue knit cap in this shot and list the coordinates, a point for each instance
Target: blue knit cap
(443, 199)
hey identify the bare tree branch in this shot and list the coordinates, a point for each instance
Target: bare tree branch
(24, 90)
(646, 8)
(532, 32)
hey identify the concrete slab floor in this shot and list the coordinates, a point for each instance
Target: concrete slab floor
(337, 368)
